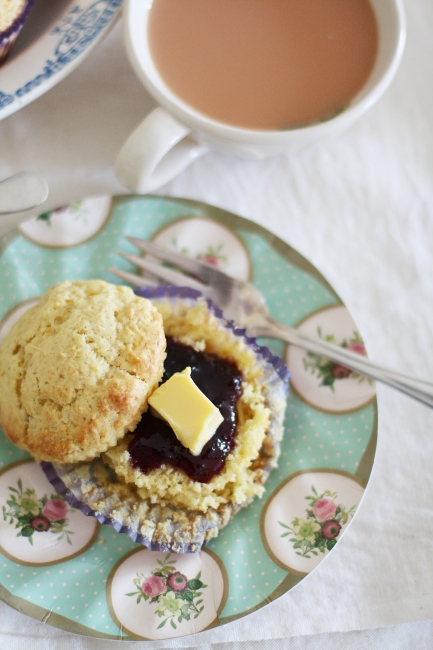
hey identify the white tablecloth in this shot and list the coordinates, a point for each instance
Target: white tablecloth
(360, 207)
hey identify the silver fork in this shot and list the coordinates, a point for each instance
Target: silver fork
(245, 305)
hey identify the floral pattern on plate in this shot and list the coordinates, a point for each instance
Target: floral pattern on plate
(297, 536)
(68, 225)
(32, 514)
(37, 527)
(178, 598)
(318, 530)
(321, 383)
(330, 372)
(208, 241)
(173, 595)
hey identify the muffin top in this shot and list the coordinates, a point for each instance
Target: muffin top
(76, 370)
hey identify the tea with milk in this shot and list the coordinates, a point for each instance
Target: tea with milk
(264, 64)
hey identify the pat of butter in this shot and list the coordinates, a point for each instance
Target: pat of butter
(191, 415)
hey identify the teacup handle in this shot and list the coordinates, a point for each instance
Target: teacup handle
(159, 149)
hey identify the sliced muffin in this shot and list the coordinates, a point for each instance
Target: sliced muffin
(162, 504)
(77, 369)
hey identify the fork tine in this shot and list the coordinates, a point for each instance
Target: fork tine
(200, 270)
(132, 278)
(166, 274)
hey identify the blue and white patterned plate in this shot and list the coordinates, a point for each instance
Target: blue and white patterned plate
(55, 39)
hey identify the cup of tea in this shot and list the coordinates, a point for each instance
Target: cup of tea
(252, 78)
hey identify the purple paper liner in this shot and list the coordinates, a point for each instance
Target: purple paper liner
(173, 291)
(61, 489)
(56, 481)
(278, 375)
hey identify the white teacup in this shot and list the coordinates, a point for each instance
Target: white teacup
(175, 134)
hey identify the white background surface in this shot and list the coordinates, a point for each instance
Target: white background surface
(359, 207)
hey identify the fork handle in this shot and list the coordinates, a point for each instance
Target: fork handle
(417, 388)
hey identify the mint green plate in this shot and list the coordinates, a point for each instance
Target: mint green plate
(64, 568)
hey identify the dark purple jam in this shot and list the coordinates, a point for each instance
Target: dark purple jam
(154, 441)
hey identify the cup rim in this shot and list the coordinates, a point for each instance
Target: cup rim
(135, 25)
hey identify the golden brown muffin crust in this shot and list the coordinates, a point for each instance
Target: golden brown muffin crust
(76, 370)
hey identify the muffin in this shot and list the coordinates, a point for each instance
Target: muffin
(13, 14)
(172, 507)
(76, 370)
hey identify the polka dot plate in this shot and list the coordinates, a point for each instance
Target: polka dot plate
(64, 568)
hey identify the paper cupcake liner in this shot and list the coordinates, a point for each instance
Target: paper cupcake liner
(95, 489)
(10, 35)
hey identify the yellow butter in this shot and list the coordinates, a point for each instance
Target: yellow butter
(191, 415)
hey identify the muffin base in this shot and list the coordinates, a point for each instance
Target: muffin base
(95, 489)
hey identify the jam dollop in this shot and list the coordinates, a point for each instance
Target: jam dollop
(155, 443)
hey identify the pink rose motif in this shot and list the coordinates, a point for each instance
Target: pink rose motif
(340, 372)
(331, 529)
(359, 348)
(153, 586)
(55, 509)
(41, 524)
(211, 259)
(177, 581)
(324, 509)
